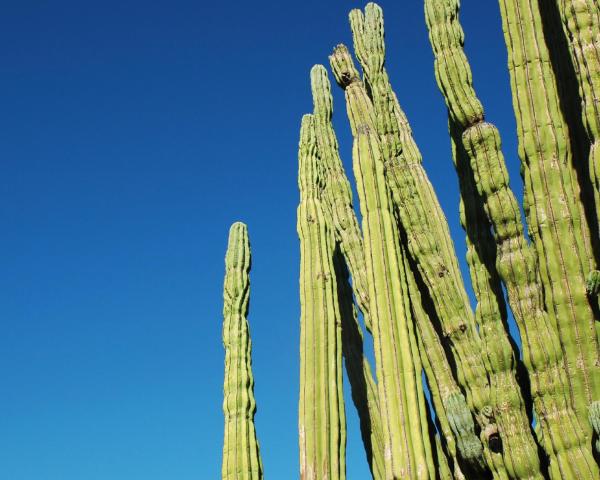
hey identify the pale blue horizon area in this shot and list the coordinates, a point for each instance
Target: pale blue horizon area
(132, 135)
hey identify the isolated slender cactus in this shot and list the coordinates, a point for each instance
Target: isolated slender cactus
(241, 457)
(398, 381)
(322, 422)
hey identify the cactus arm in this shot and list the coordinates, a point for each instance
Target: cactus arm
(581, 22)
(322, 424)
(553, 210)
(397, 379)
(241, 457)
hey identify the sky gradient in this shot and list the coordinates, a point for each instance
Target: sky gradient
(133, 134)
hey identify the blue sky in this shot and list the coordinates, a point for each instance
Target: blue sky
(132, 135)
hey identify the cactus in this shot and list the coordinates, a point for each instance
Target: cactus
(337, 196)
(556, 225)
(428, 241)
(322, 423)
(398, 382)
(241, 457)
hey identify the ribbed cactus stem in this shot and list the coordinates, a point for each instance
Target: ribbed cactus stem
(428, 240)
(453, 414)
(581, 21)
(397, 380)
(553, 209)
(519, 450)
(241, 457)
(322, 423)
(444, 472)
(337, 196)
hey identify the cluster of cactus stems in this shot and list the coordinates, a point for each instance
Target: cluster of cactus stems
(498, 407)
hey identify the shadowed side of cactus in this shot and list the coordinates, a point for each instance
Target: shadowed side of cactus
(241, 457)
(322, 423)
(397, 380)
(557, 227)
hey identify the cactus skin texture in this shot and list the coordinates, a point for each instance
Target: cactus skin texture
(337, 196)
(322, 422)
(552, 207)
(241, 457)
(398, 382)
(581, 22)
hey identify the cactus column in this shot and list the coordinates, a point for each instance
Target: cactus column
(557, 227)
(241, 458)
(398, 382)
(322, 422)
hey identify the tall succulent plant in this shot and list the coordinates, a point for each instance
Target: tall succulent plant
(398, 382)
(241, 457)
(322, 423)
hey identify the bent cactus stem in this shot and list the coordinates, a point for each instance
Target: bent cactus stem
(241, 457)
(398, 382)
(322, 422)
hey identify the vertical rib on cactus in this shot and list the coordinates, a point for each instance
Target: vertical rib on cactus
(428, 240)
(322, 423)
(453, 75)
(444, 472)
(397, 379)
(337, 195)
(553, 209)
(241, 457)
(581, 21)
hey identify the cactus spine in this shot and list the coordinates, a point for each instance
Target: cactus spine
(322, 423)
(241, 457)
(398, 382)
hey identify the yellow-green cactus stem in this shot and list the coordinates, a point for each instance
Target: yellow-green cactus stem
(453, 415)
(241, 457)
(337, 195)
(363, 386)
(443, 471)
(321, 423)
(518, 448)
(337, 189)
(428, 240)
(581, 21)
(553, 209)
(397, 380)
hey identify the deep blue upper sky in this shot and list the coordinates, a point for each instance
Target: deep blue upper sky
(132, 135)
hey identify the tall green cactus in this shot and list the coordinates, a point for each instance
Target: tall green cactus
(428, 240)
(398, 382)
(557, 227)
(241, 457)
(322, 423)
(337, 196)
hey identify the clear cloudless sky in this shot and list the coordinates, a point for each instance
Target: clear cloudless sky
(132, 134)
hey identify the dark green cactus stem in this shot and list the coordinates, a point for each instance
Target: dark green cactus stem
(557, 227)
(322, 423)
(241, 457)
(428, 240)
(581, 21)
(398, 382)
(337, 195)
